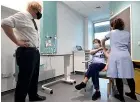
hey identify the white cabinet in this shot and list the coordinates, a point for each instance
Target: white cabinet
(53, 66)
(57, 63)
(79, 57)
(8, 69)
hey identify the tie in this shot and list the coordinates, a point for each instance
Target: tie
(35, 24)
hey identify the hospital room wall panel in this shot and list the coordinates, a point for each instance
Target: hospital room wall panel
(70, 32)
(136, 30)
(68, 26)
(90, 34)
(7, 59)
(48, 26)
(70, 29)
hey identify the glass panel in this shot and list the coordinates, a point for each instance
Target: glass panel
(101, 35)
(102, 27)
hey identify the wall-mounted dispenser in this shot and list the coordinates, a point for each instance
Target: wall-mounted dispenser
(50, 44)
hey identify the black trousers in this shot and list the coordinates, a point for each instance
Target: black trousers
(28, 60)
(131, 84)
(93, 71)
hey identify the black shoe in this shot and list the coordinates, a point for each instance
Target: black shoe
(96, 95)
(80, 86)
(121, 98)
(38, 98)
(133, 96)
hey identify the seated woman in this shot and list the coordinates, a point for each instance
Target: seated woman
(97, 65)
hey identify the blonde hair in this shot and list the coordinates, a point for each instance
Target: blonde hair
(34, 5)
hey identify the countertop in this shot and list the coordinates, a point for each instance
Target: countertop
(55, 54)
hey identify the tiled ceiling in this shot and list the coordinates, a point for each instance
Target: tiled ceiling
(88, 9)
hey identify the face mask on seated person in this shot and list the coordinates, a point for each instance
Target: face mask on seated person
(96, 46)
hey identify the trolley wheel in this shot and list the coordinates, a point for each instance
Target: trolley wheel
(51, 92)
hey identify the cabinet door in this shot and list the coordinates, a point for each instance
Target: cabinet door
(78, 59)
(57, 63)
(52, 66)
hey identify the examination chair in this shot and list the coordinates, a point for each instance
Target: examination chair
(110, 84)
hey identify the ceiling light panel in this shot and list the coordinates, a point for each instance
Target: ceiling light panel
(76, 5)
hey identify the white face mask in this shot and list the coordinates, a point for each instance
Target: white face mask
(96, 45)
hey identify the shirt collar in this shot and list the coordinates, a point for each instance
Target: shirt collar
(29, 15)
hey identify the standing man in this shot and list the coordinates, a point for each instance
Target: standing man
(27, 53)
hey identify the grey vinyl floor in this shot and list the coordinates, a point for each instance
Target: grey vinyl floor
(64, 92)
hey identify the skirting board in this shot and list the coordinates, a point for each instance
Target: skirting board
(40, 83)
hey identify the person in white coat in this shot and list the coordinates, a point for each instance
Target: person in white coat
(120, 64)
(27, 53)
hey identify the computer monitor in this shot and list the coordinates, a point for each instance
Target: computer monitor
(79, 48)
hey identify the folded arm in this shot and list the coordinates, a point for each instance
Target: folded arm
(92, 52)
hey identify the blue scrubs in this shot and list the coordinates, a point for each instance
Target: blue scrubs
(120, 62)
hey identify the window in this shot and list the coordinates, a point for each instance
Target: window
(101, 29)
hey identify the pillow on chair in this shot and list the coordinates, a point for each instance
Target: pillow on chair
(103, 74)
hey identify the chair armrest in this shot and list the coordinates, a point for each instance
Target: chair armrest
(86, 61)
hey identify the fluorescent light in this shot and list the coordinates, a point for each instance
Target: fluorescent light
(102, 23)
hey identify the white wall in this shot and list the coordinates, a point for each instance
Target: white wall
(86, 33)
(90, 34)
(7, 51)
(70, 29)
